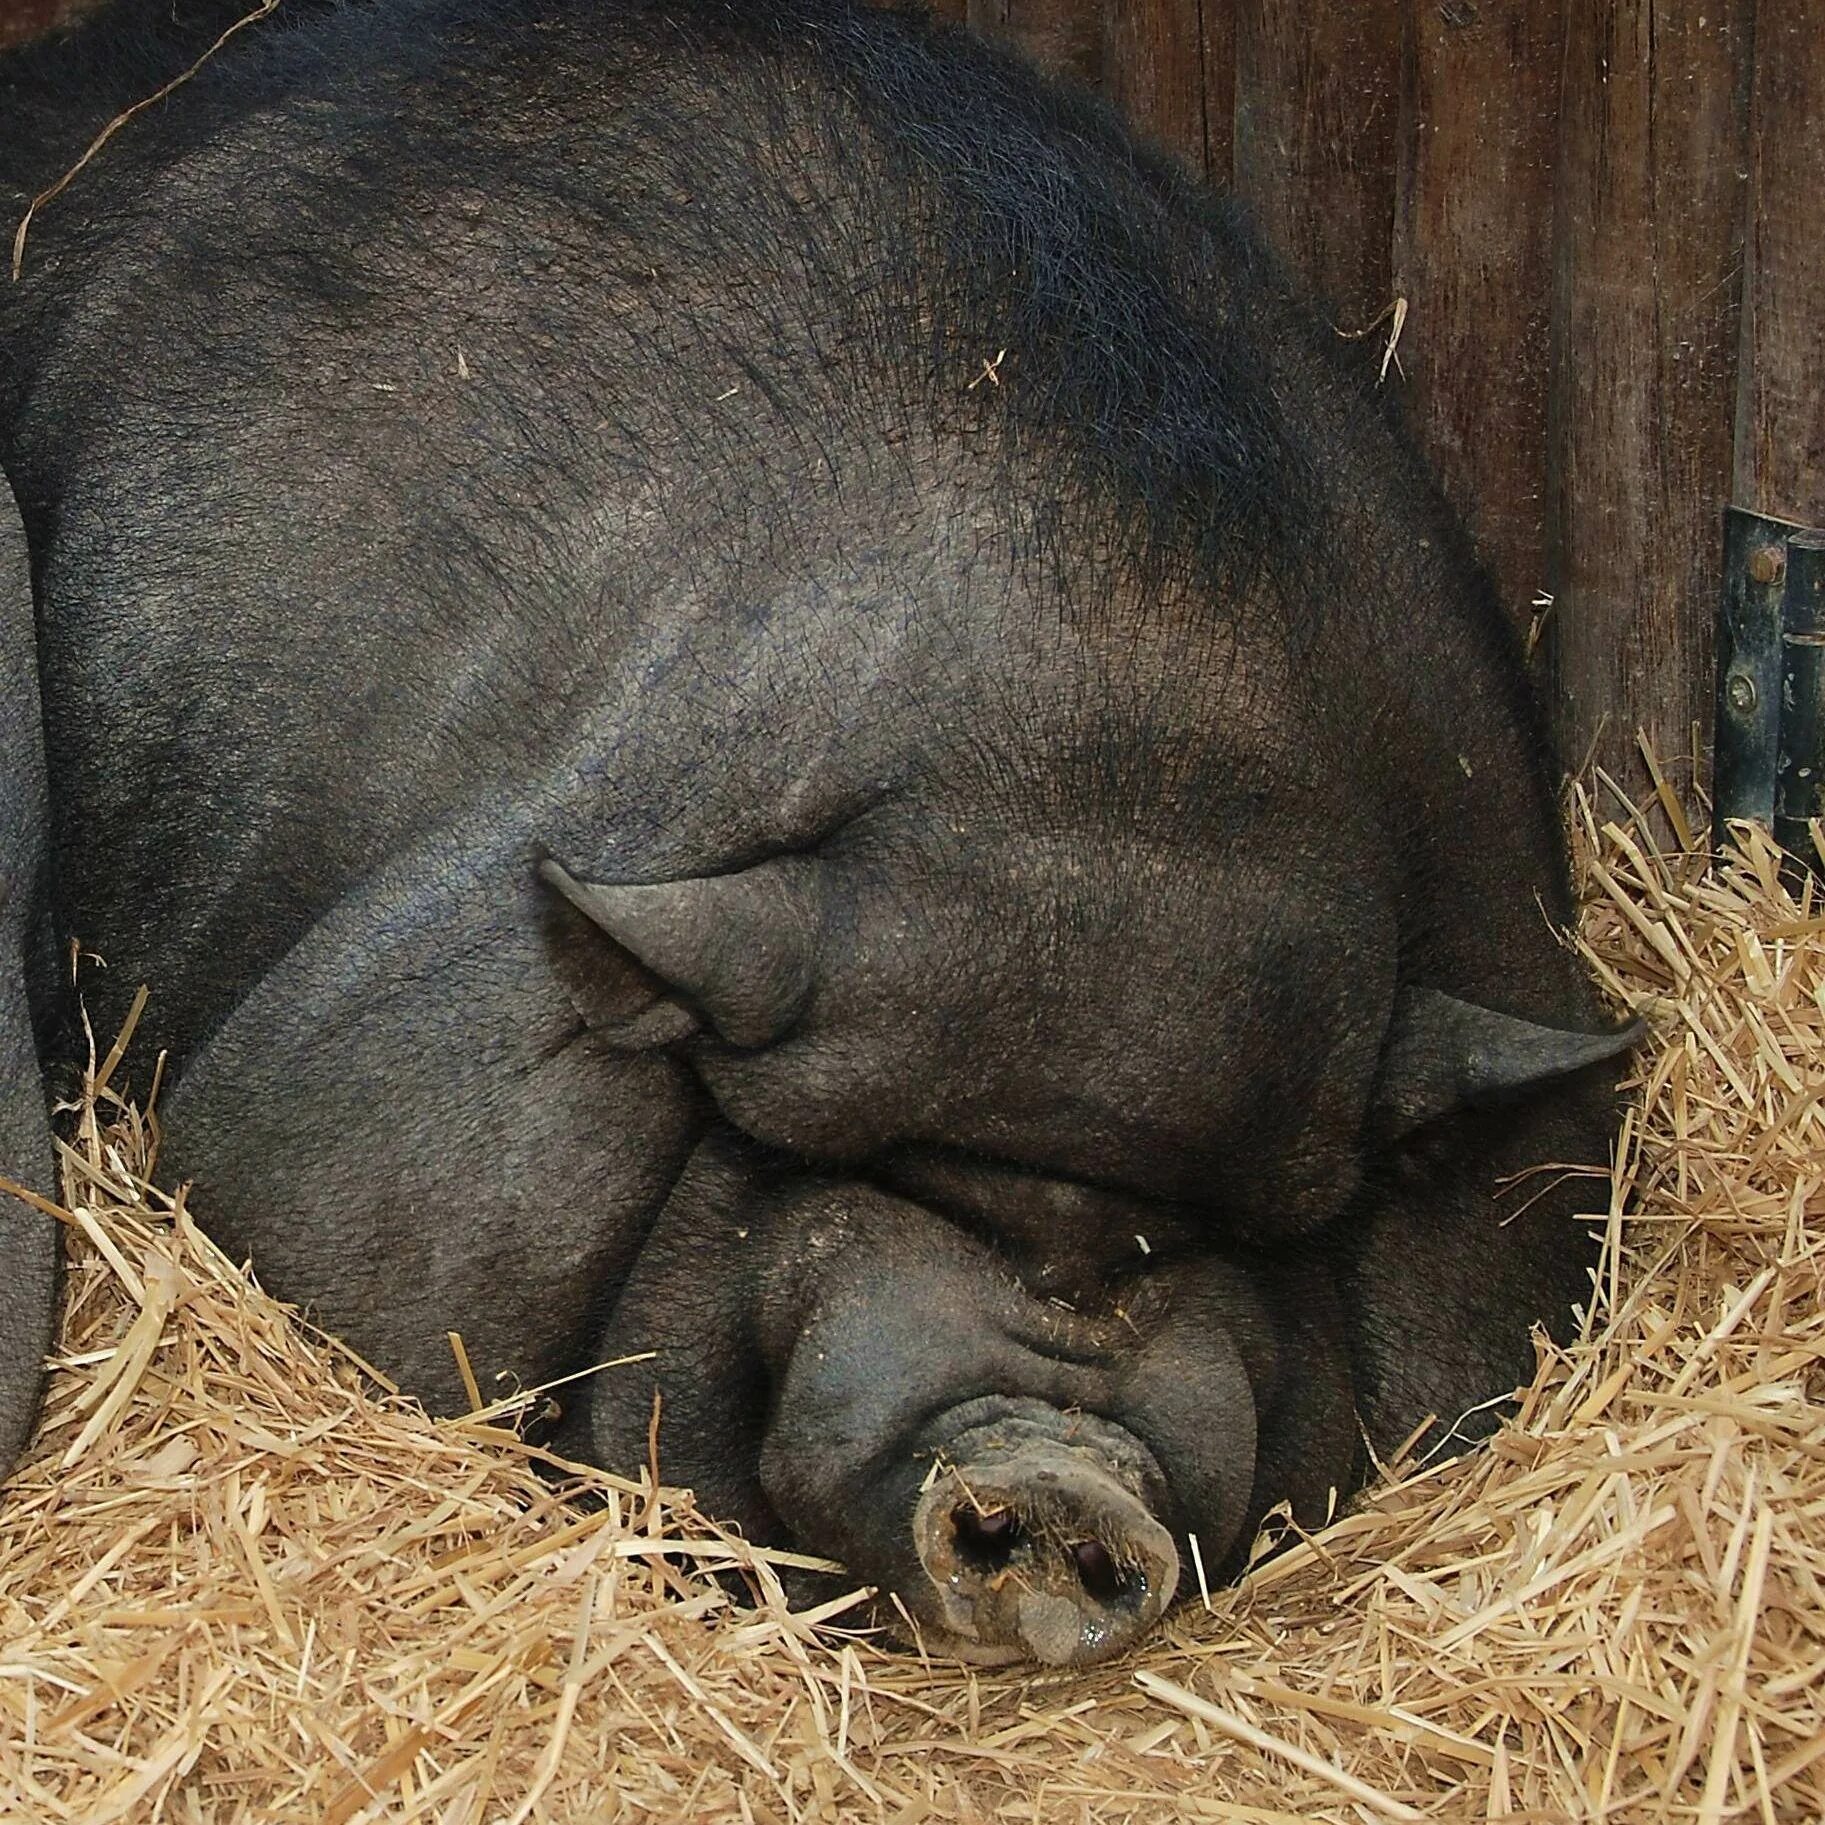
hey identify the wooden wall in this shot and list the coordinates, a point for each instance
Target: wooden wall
(1605, 219)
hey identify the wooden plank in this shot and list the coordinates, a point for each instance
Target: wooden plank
(1651, 197)
(1780, 446)
(1065, 36)
(1219, 27)
(1473, 243)
(1155, 67)
(1317, 139)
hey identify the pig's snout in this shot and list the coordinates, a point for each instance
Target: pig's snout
(1039, 1549)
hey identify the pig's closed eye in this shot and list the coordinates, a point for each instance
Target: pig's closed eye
(934, 1161)
(959, 1181)
(1040, 1210)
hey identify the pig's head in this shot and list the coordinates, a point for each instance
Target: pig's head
(1004, 1276)
(870, 1376)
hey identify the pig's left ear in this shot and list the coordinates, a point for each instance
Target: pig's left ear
(1444, 1054)
(734, 951)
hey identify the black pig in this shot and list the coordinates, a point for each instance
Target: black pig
(753, 690)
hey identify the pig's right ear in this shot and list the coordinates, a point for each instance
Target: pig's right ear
(733, 952)
(1443, 1054)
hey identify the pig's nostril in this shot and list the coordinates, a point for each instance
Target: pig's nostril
(985, 1540)
(1097, 1572)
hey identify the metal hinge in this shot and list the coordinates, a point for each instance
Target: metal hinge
(1770, 763)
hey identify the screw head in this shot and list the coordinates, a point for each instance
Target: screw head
(1740, 690)
(1766, 563)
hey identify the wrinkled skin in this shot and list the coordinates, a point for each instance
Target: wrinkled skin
(750, 693)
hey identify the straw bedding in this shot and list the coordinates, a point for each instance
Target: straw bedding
(238, 1581)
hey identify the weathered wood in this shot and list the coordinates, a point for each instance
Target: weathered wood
(1644, 370)
(1154, 67)
(1473, 257)
(1218, 18)
(1780, 427)
(1065, 36)
(1317, 131)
